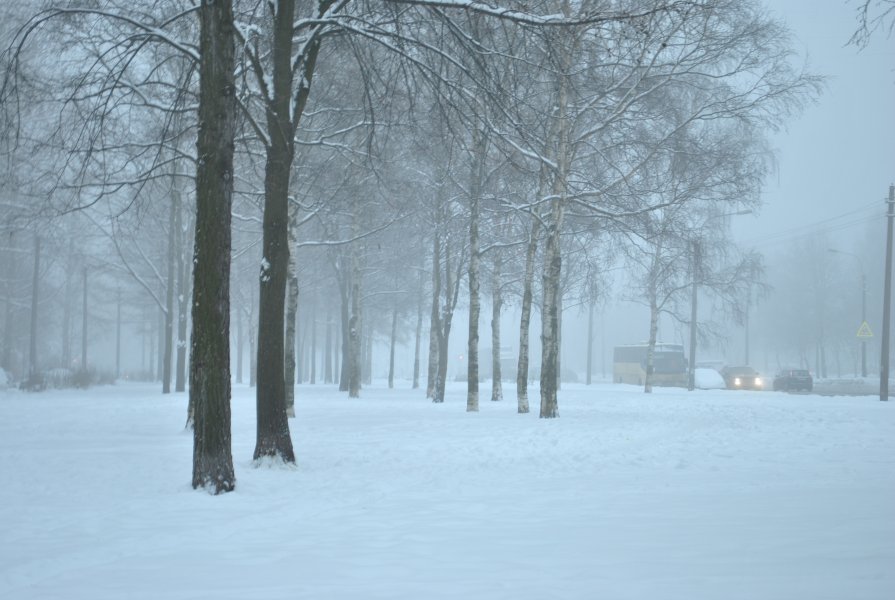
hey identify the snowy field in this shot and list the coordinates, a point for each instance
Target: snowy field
(711, 495)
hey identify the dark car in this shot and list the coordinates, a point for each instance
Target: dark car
(788, 380)
(742, 378)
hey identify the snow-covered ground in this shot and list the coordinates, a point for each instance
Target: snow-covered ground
(715, 495)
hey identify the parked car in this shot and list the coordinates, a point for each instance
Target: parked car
(742, 378)
(788, 380)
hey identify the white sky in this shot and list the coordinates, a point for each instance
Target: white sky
(840, 154)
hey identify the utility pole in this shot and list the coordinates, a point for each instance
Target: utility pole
(863, 320)
(691, 368)
(887, 297)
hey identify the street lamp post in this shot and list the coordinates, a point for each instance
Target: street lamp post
(863, 305)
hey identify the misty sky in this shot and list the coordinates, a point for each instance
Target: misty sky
(840, 154)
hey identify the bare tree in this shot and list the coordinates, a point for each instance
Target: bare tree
(210, 362)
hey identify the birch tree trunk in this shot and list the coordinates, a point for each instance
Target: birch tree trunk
(550, 313)
(435, 319)
(33, 371)
(66, 312)
(419, 332)
(328, 346)
(391, 347)
(651, 347)
(210, 355)
(552, 277)
(354, 330)
(345, 315)
(496, 305)
(183, 295)
(169, 291)
(312, 353)
(480, 143)
(525, 320)
(590, 340)
(451, 289)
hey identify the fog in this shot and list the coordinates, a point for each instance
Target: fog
(817, 226)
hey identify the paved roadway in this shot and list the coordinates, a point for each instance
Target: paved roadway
(850, 387)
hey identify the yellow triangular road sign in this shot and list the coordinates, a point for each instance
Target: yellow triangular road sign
(864, 331)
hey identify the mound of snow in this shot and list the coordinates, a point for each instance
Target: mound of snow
(709, 379)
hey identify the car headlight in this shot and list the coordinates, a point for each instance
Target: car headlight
(736, 381)
(758, 381)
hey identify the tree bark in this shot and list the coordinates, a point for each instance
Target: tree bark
(312, 352)
(590, 340)
(354, 329)
(496, 306)
(210, 343)
(391, 346)
(35, 294)
(550, 314)
(525, 320)
(434, 318)
(183, 295)
(419, 332)
(328, 346)
(84, 318)
(480, 143)
(291, 311)
(345, 317)
(273, 439)
(66, 311)
(168, 356)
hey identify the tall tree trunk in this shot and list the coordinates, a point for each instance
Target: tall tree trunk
(651, 345)
(210, 343)
(345, 317)
(590, 340)
(552, 277)
(290, 341)
(35, 294)
(368, 353)
(550, 314)
(183, 296)
(480, 143)
(418, 335)
(66, 311)
(239, 345)
(11, 274)
(559, 311)
(312, 353)
(525, 320)
(451, 293)
(496, 306)
(291, 311)
(84, 318)
(391, 346)
(273, 437)
(118, 334)
(152, 353)
(354, 329)
(435, 332)
(328, 346)
(160, 358)
(169, 292)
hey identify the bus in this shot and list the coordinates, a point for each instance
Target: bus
(669, 365)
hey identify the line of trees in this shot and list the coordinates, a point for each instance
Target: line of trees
(368, 164)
